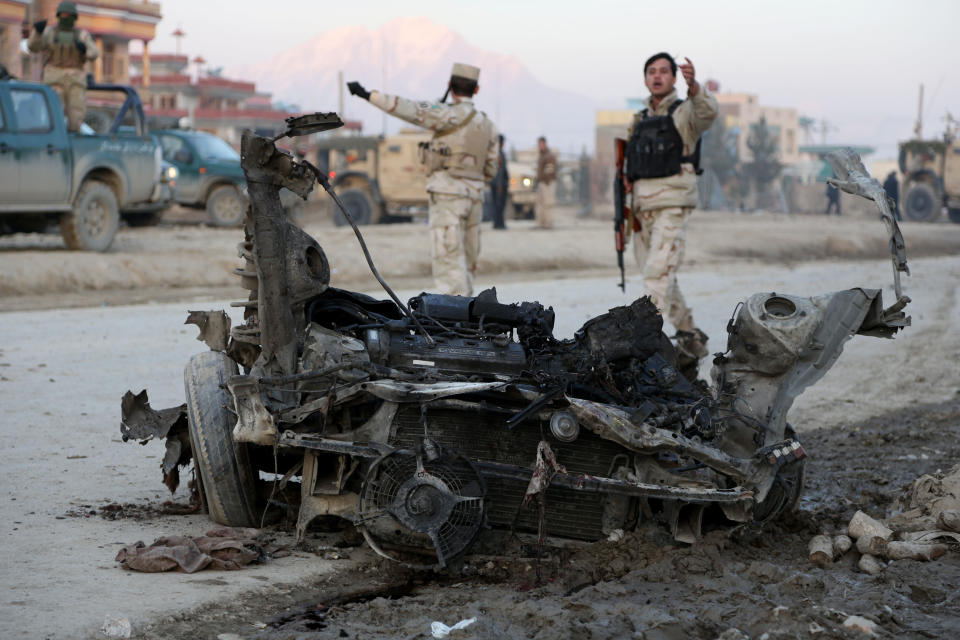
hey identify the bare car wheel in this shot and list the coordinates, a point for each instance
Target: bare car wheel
(227, 477)
(226, 206)
(93, 222)
(360, 203)
(921, 203)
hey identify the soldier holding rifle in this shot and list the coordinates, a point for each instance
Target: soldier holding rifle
(662, 157)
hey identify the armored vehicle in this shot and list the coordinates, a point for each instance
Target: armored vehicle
(931, 170)
(379, 179)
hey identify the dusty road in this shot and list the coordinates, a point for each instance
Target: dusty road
(62, 373)
(176, 261)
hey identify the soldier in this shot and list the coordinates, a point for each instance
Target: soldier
(662, 157)
(65, 51)
(461, 158)
(892, 188)
(499, 187)
(546, 185)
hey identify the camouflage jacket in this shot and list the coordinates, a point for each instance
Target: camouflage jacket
(441, 118)
(64, 55)
(691, 118)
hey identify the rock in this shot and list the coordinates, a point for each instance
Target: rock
(863, 525)
(733, 634)
(873, 545)
(114, 627)
(821, 551)
(949, 520)
(841, 544)
(869, 564)
(861, 624)
(914, 551)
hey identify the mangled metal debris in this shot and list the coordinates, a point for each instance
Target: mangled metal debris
(429, 422)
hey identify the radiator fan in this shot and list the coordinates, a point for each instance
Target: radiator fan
(425, 503)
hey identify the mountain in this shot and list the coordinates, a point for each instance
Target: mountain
(412, 57)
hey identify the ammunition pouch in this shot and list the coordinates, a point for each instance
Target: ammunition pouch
(453, 149)
(63, 51)
(655, 148)
(434, 155)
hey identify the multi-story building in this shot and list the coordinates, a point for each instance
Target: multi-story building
(112, 23)
(222, 106)
(13, 15)
(743, 112)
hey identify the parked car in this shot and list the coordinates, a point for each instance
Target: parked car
(210, 176)
(86, 180)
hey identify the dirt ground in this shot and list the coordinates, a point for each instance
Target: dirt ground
(888, 412)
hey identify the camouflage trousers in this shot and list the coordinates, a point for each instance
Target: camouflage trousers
(71, 86)
(543, 207)
(658, 248)
(455, 242)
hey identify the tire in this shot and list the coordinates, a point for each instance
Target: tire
(921, 202)
(228, 478)
(93, 222)
(361, 205)
(143, 219)
(954, 215)
(226, 206)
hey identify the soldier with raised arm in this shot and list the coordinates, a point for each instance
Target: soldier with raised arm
(461, 158)
(662, 163)
(66, 50)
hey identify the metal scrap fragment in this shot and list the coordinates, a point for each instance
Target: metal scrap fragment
(214, 328)
(140, 421)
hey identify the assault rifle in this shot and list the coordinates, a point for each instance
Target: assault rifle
(621, 216)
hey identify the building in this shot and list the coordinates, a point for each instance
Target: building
(222, 106)
(743, 112)
(112, 23)
(13, 15)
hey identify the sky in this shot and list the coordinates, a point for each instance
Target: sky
(854, 63)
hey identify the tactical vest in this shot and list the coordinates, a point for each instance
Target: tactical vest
(62, 51)
(460, 150)
(655, 148)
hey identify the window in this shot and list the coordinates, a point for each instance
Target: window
(31, 113)
(170, 145)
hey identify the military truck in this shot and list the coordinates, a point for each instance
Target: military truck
(86, 180)
(379, 178)
(931, 170)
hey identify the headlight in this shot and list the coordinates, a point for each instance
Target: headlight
(172, 173)
(527, 182)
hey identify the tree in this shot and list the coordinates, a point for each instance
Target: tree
(719, 150)
(765, 166)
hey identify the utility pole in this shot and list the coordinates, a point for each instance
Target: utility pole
(343, 115)
(918, 128)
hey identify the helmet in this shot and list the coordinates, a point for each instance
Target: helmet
(67, 7)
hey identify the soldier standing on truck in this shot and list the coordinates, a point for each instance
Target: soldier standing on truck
(662, 163)
(66, 50)
(546, 185)
(461, 158)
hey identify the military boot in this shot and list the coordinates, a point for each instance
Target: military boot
(691, 347)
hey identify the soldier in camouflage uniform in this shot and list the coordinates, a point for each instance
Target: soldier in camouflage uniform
(663, 153)
(66, 50)
(461, 159)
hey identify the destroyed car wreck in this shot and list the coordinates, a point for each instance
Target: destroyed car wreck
(430, 423)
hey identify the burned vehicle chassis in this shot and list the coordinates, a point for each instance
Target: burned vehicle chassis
(427, 423)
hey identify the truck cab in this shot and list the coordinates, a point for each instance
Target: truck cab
(85, 179)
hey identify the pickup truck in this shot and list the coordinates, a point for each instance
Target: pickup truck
(87, 180)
